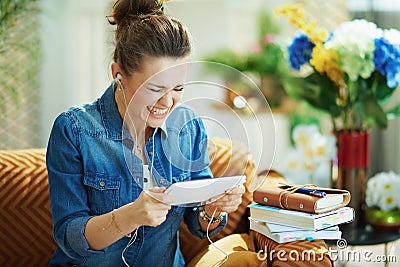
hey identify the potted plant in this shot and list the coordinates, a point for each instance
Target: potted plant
(350, 74)
(383, 201)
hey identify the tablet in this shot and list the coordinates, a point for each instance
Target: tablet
(199, 191)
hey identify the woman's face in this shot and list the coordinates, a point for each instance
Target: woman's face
(153, 92)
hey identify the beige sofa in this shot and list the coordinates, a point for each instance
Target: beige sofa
(26, 223)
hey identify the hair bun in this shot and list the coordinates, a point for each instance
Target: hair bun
(125, 9)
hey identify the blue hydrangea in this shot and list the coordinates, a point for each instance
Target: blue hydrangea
(387, 61)
(300, 51)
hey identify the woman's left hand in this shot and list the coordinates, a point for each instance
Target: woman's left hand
(229, 202)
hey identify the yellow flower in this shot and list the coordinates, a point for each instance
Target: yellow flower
(326, 60)
(323, 60)
(296, 16)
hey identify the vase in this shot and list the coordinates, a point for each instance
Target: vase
(383, 220)
(352, 167)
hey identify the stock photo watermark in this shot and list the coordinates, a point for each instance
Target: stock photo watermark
(341, 253)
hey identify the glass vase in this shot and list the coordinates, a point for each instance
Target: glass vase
(351, 170)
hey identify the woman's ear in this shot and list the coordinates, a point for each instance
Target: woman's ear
(115, 70)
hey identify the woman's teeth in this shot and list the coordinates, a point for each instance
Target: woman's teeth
(158, 111)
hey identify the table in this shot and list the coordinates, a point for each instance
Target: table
(364, 236)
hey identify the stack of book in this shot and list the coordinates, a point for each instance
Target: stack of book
(284, 214)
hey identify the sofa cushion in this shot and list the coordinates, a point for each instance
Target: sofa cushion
(26, 223)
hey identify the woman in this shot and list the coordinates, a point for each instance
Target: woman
(102, 155)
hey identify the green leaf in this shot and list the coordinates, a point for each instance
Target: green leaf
(382, 90)
(371, 112)
(317, 90)
(393, 112)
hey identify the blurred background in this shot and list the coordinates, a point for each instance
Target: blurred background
(55, 54)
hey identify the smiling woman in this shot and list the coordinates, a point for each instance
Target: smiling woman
(101, 155)
(153, 91)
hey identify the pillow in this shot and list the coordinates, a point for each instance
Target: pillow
(26, 223)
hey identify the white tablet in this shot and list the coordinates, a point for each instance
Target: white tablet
(199, 191)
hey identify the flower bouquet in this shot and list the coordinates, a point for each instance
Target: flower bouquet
(383, 200)
(349, 73)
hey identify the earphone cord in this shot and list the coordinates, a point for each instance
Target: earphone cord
(131, 241)
(212, 243)
(135, 148)
(133, 238)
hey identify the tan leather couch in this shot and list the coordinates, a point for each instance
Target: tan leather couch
(25, 218)
(26, 223)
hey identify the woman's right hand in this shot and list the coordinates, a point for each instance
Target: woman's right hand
(152, 206)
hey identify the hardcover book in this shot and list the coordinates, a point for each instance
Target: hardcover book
(285, 198)
(289, 234)
(300, 219)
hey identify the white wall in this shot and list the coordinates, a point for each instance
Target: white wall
(76, 56)
(77, 42)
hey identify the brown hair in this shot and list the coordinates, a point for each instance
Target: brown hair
(144, 30)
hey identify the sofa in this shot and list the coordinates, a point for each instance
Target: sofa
(26, 223)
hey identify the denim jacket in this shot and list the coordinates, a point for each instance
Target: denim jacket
(92, 171)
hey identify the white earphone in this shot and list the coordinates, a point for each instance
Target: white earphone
(118, 80)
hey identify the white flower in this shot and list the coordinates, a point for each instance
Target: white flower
(291, 163)
(303, 135)
(371, 193)
(389, 201)
(324, 147)
(383, 191)
(308, 162)
(353, 40)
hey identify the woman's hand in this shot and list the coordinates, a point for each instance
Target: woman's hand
(151, 207)
(229, 202)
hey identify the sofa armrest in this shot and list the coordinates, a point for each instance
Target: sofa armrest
(26, 223)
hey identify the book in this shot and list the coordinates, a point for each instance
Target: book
(301, 219)
(293, 234)
(199, 191)
(282, 197)
(280, 228)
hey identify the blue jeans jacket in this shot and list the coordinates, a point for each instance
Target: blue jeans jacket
(92, 171)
